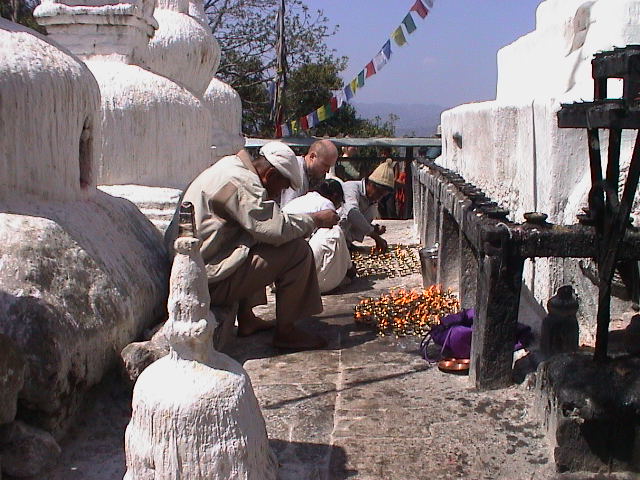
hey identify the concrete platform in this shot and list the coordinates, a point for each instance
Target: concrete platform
(366, 408)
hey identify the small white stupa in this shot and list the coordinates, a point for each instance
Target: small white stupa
(195, 416)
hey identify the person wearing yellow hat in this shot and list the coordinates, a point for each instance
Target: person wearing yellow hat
(248, 242)
(360, 207)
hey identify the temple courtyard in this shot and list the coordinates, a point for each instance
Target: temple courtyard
(365, 408)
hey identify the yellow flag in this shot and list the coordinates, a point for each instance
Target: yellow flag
(294, 125)
(354, 85)
(398, 36)
(322, 113)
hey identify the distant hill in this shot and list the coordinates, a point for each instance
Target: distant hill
(416, 119)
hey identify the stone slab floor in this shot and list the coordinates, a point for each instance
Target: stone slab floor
(366, 408)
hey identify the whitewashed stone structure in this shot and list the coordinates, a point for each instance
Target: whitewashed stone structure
(195, 416)
(512, 147)
(154, 61)
(81, 273)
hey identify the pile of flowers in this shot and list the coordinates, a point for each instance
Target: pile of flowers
(406, 312)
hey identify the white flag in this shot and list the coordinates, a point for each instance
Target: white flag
(380, 60)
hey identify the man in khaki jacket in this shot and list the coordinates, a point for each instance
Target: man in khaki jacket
(248, 242)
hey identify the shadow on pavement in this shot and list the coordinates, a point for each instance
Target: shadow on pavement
(298, 461)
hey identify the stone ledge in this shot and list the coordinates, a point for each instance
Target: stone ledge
(591, 412)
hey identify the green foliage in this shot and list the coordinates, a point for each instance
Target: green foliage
(247, 35)
(20, 11)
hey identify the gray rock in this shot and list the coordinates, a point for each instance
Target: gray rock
(80, 280)
(139, 355)
(590, 412)
(26, 450)
(12, 370)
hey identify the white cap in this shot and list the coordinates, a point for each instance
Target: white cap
(284, 160)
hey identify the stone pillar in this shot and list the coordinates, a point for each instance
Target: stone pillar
(432, 219)
(449, 253)
(468, 273)
(560, 329)
(195, 416)
(494, 330)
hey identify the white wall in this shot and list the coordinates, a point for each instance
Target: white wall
(48, 98)
(512, 147)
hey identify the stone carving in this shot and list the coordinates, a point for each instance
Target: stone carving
(82, 273)
(560, 330)
(195, 415)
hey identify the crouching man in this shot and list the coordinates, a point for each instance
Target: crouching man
(249, 243)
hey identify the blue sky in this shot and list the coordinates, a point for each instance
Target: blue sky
(449, 60)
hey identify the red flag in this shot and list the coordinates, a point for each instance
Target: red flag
(334, 104)
(304, 124)
(420, 9)
(278, 131)
(371, 70)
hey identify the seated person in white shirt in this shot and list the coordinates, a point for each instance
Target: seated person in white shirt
(329, 246)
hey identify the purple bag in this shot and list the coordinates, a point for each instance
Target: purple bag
(454, 335)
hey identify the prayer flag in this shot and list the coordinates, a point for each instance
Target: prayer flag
(386, 49)
(409, 24)
(278, 131)
(316, 120)
(341, 98)
(294, 126)
(361, 79)
(285, 130)
(303, 123)
(354, 85)
(322, 113)
(370, 69)
(348, 93)
(327, 109)
(310, 121)
(334, 104)
(420, 9)
(379, 61)
(398, 36)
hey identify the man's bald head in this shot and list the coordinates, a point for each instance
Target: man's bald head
(322, 156)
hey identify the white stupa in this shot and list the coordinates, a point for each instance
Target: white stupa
(195, 416)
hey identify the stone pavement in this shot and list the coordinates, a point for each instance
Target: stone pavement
(371, 408)
(365, 408)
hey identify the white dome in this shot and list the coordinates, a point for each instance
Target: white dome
(50, 126)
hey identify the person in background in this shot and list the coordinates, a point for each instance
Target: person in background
(350, 169)
(360, 205)
(329, 245)
(248, 242)
(313, 168)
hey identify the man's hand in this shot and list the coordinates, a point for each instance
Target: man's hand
(381, 243)
(379, 229)
(325, 218)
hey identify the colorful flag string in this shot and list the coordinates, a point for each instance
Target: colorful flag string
(421, 8)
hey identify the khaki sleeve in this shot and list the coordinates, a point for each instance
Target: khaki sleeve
(262, 218)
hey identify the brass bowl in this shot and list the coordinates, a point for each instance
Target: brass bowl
(459, 366)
